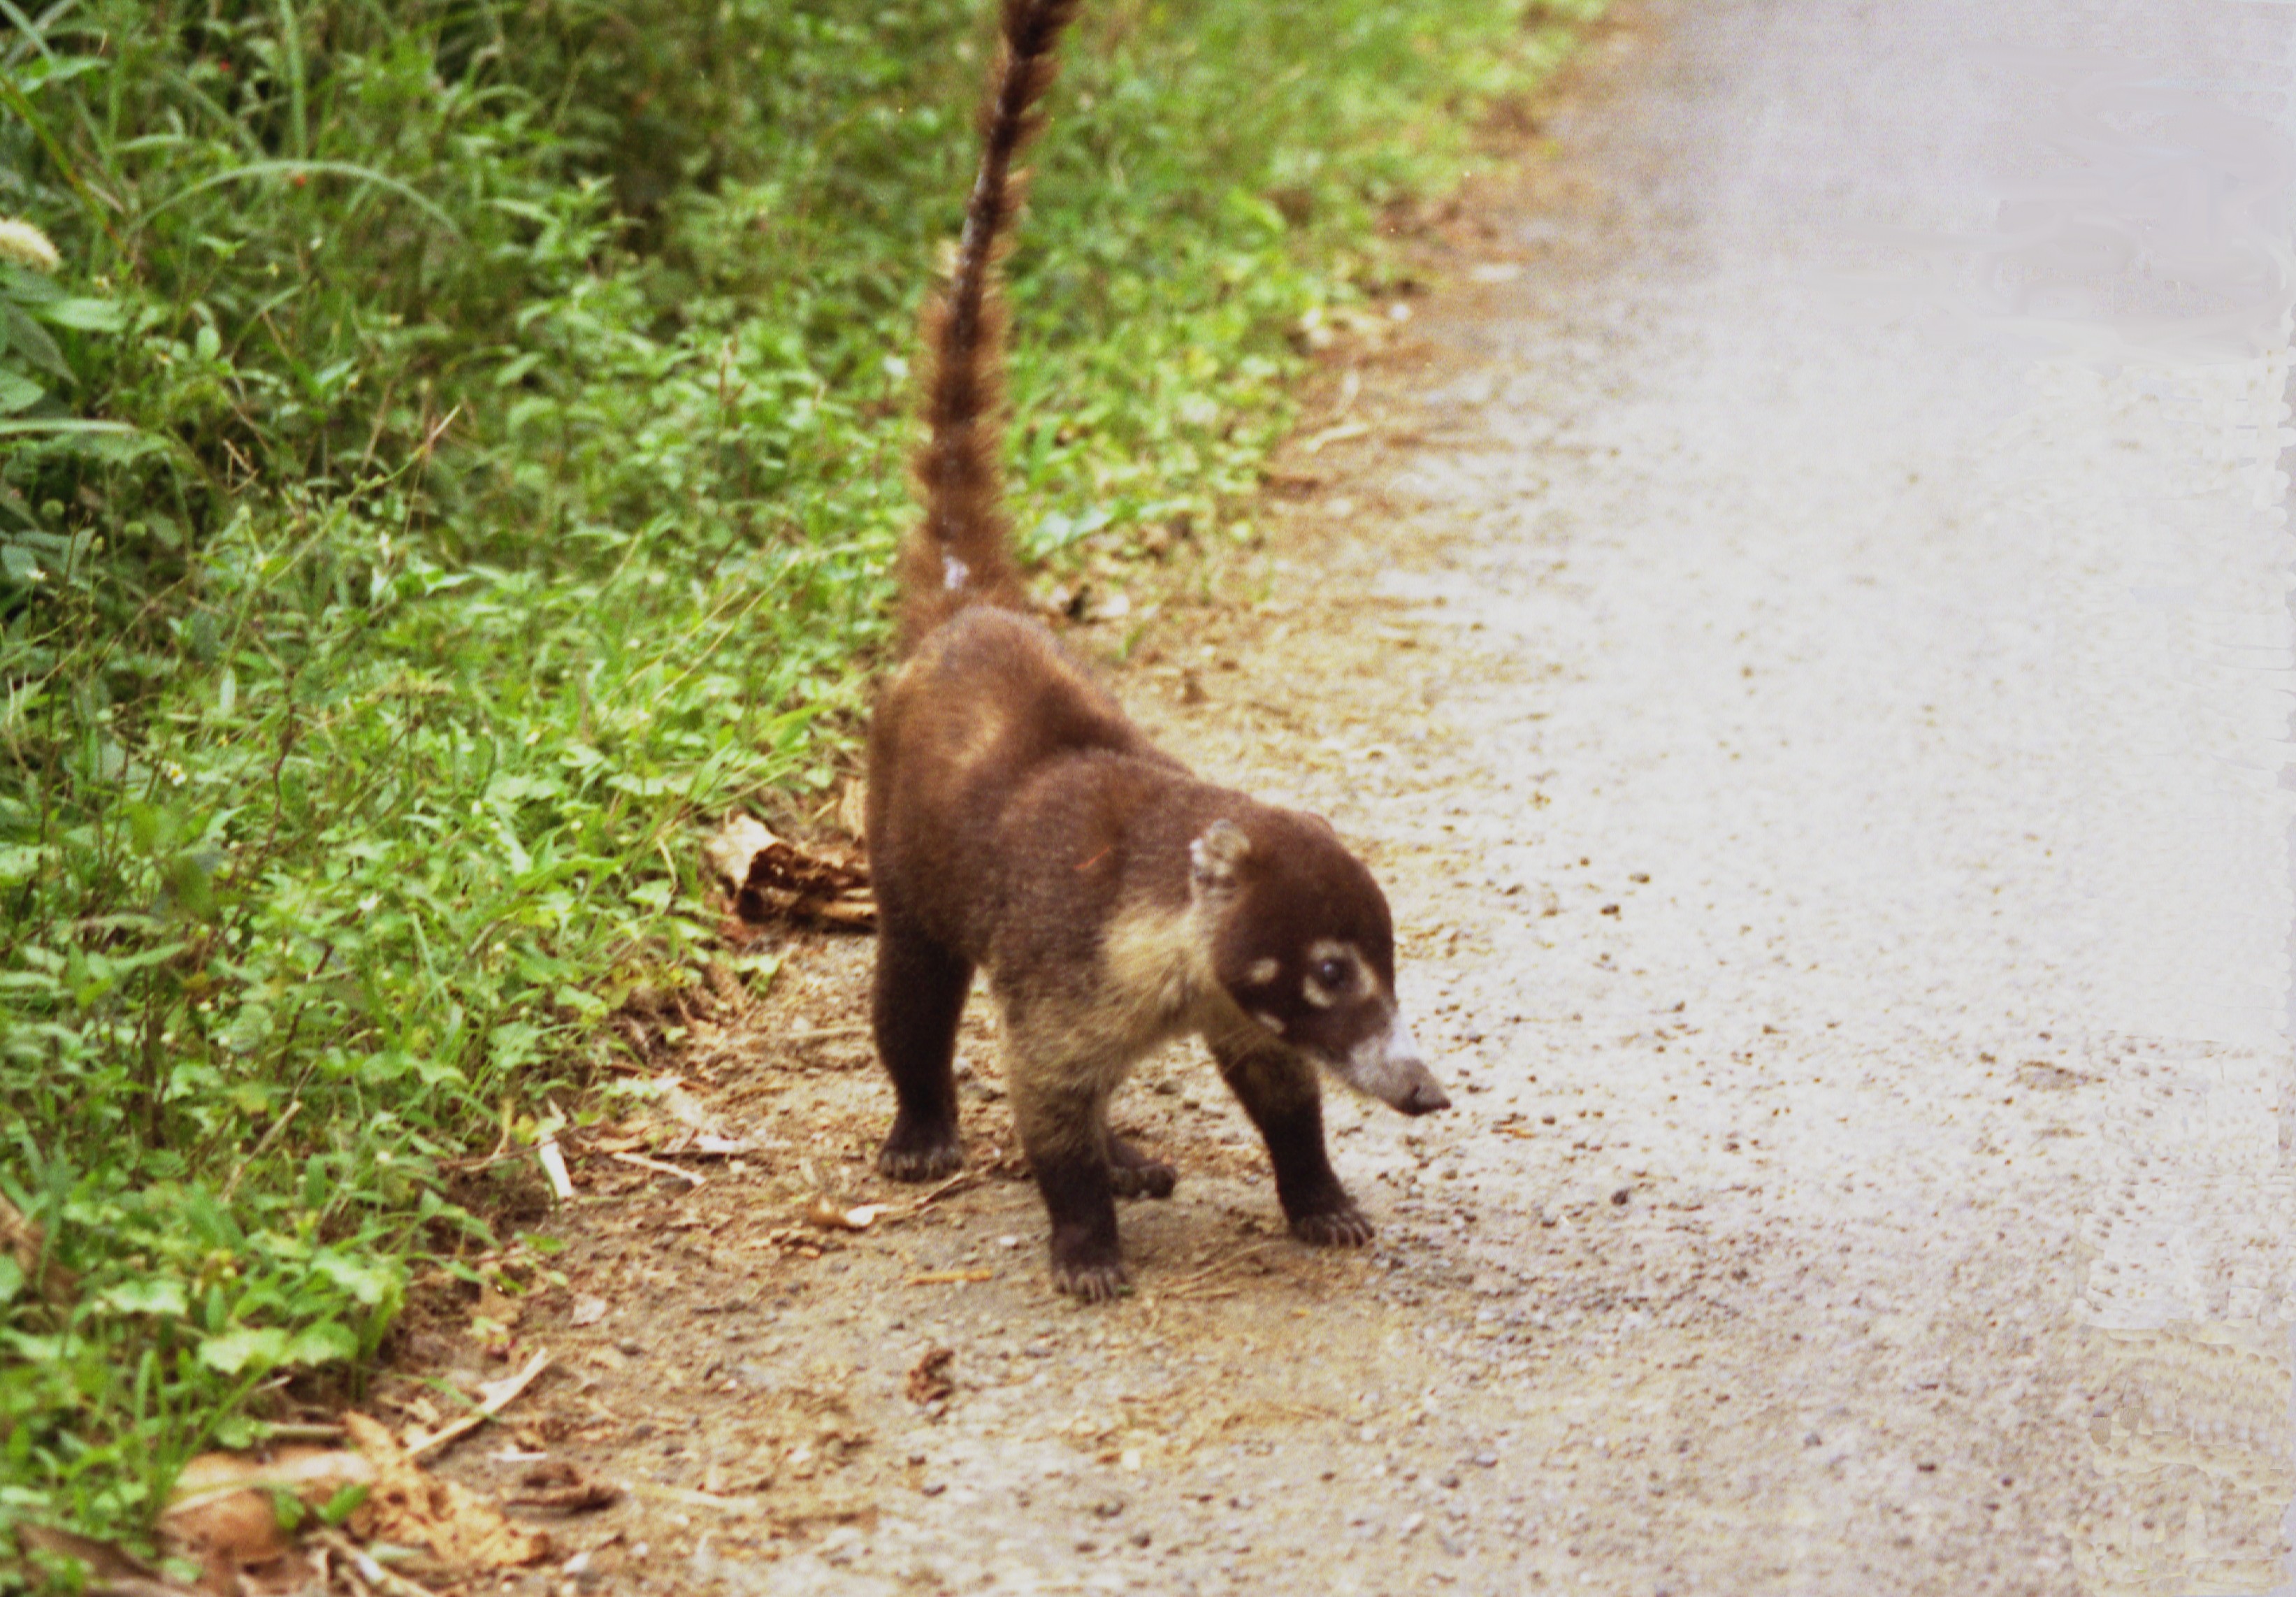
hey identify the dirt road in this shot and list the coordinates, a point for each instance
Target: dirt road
(1820, 738)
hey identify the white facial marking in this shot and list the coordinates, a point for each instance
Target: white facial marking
(1262, 972)
(954, 572)
(1269, 1021)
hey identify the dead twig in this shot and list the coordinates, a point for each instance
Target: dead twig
(655, 1165)
(499, 1395)
(366, 1569)
(1187, 1284)
(955, 1184)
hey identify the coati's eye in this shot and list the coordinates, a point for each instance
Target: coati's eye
(1332, 974)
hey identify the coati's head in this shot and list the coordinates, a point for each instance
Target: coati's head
(1302, 943)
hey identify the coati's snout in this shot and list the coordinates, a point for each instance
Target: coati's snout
(1307, 950)
(1388, 1067)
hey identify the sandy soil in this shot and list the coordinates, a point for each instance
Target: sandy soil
(1833, 902)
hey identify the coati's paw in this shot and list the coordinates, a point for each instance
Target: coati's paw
(1092, 1283)
(1344, 1227)
(919, 1157)
(1146, 1179)
(1093, 1271)
(1133, 1174)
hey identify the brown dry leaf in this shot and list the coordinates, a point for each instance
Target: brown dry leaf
(739, 842)
(407, 1504)
(772, 878)
(23, 1241)
(558, 1486)
(929, 1377)
(853, 809)
(588, 1310)
(833, 1216)
(221, 1509)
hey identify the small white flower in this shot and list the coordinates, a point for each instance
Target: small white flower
(27, 245)
(174, 773)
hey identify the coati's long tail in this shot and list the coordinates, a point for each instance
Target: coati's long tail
(961, 553)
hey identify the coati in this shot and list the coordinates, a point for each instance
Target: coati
(1019, 823)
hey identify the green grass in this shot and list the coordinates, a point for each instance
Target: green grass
(460, 453)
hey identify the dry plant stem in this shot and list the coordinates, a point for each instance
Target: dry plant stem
(553, 1165)
(269, 1137)
(644, 1163)
(694, 1499)
(1188, 1283)
(363, 1567)
(955, 1184)
(501, 1398)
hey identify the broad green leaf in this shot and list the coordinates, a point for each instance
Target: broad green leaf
(163, 1296)
(29, 339)
(370, 1282)
(235, 1350)
(88, 316)
(18, 392)
(325, 1343)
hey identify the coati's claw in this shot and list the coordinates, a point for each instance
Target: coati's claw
(907, 1159)
(1334, 1228)
(1090, 1282)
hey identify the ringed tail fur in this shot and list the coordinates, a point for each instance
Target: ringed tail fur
(960, 553)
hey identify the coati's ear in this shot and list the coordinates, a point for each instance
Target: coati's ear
(1217, 858)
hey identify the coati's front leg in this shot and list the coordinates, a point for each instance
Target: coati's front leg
(919, 996)
(1059, 1118)
(1279, 1091)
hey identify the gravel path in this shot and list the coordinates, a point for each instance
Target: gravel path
(1806, 650)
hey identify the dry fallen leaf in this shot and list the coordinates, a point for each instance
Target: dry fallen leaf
(929, 1377)
(560, 1487)
(588, 1310)
(831, 1216)
(407, 1504)
(772, 878)
(221, 1509)
(23, 1241)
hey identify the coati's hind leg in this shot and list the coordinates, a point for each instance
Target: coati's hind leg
(1278, 1090)
(920, 992)
(1137, 1175)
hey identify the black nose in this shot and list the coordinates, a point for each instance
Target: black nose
(1425, 1099)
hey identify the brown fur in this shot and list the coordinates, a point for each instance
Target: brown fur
(960, 469)
(1019, 823)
